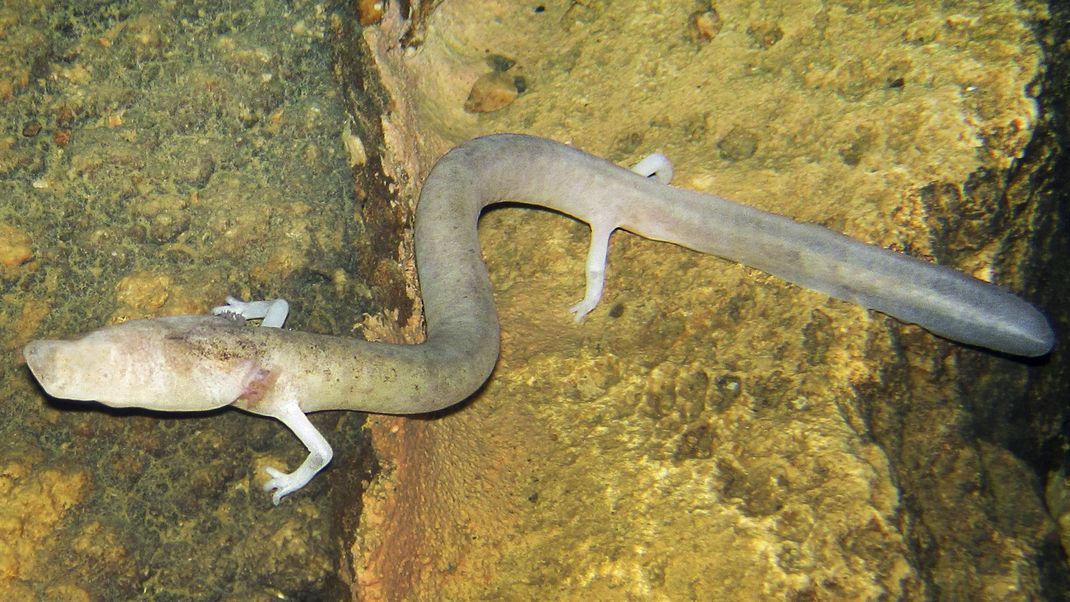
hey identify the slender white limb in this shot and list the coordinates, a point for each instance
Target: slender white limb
(596, 269)
(654, 165)
(319, 454)
(657, 165)
(273, 312)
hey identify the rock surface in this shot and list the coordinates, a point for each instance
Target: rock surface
(710, 432)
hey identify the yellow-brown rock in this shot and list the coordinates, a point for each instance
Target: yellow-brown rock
(35, 501)
(709, 432)
(15, 248)
(491, 92)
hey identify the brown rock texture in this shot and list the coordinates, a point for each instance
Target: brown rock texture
(711, 432)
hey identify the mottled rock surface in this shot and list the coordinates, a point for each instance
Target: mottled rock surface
(711, 432)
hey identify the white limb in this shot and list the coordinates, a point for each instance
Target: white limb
(654, 165)
(273, 312)
(319, 454)
(657, 165)
(596, 269)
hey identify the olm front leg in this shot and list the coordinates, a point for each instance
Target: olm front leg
(273, 312)
(319, 454)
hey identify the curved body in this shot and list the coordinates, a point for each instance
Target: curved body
(192, 363)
